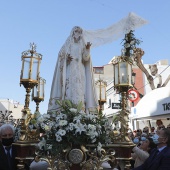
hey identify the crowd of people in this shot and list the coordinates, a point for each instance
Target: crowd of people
(147, 142)
(151, 151)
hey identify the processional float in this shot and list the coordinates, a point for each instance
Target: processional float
(90, 156)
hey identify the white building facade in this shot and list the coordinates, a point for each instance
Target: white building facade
(10, 109)
(138, 118)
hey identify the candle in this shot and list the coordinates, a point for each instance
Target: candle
(123, 78)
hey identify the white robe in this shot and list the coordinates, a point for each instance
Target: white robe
(73, 80)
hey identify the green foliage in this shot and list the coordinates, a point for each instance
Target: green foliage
(130, 43)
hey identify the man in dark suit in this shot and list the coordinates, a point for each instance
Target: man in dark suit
(159, 158)
(7, 152)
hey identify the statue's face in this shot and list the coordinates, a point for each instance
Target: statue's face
(77, 33)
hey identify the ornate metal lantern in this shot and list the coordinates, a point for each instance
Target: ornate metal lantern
(38, 92)
(30, 71)
(122, 73)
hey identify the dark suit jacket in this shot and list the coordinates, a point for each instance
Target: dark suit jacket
(4, 161)
(158, 162)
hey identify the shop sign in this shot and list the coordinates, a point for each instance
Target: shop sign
(166, 106)
(116, 106)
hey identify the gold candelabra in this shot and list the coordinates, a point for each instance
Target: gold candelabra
(101, 85)
(25, 146)
(123, 81)
(29, 78)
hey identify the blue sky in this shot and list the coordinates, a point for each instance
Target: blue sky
(48, 23)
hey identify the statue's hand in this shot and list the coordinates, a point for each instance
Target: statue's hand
(88, 45)
(69, 58)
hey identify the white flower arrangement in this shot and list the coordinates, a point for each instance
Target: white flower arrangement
(72, 126)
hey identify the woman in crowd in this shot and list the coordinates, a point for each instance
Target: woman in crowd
(152, 131)
(141, 153)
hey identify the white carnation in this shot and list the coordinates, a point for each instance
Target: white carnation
(61, 132)
(62, 122)
(58, 138)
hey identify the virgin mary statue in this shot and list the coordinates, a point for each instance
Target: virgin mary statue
(73, 77)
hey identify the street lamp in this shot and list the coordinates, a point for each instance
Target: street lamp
(38, 92)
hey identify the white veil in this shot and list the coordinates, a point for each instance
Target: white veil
(115, 31)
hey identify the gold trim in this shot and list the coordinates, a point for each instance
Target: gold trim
(25, 143)
(23, 158)
(28, 80)
(75, 156)
(125, 159)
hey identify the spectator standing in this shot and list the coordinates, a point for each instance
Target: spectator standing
(159, 122)
(7, 152)
(152, 131)
(140, 154)
(146, 130)
(138, 133)
(161, 127)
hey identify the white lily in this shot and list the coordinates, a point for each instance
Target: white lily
(61, 116)
(79, 127)
(90, 116)
(77, 118)
(73, 110)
